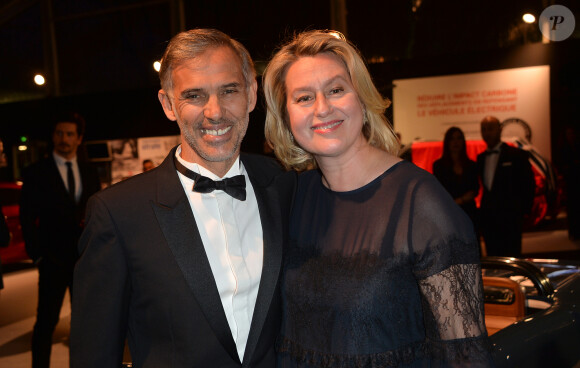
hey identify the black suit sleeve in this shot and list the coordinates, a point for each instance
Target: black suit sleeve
(437, 168)
(528, 182)
(101, 283)
(30, 213)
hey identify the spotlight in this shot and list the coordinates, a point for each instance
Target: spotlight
(529, 18)
(39, 79)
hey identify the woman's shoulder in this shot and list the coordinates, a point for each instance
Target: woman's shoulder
(406, 169)
(439, 161)
(308, 178)
(415, 181)
(309, 174)
(440, 164)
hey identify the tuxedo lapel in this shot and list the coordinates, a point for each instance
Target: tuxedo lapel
(481, 169)
(270, 217)
(180, 230)
(498, 180)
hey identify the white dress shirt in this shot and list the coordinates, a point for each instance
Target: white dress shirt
(62, 169)
(231, 232)
(490, 165)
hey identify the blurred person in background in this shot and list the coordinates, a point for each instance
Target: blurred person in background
(54, 195)
(568, 161)
(457, 173)
(508, 191)
(148, 165)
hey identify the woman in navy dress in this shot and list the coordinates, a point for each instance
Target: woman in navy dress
(383, 267)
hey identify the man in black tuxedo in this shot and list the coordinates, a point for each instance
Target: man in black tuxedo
(54, 194)
(184, 267)
(508, 192)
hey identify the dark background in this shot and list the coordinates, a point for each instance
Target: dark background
(97, 55)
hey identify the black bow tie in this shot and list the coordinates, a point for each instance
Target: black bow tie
(234, 186)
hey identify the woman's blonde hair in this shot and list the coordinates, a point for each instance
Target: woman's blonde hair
(377, 130)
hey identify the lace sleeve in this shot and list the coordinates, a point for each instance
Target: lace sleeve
(454, 318)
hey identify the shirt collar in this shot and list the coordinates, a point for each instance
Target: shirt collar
(236, 168)
(61, 160)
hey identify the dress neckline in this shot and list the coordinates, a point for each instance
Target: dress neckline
(364, 187)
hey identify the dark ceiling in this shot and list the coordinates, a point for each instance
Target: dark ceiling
(97, 55)
(88, 46)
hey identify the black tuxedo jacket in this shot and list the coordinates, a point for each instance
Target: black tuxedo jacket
(51, 221)
(143, 274)
(513, 186)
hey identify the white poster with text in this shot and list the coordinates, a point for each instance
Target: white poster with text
(424, 108)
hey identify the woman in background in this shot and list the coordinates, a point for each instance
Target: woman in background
(383, 267)
(457, 173)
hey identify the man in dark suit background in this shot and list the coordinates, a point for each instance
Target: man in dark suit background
(54, 194)
(186, 271)
(508, 192)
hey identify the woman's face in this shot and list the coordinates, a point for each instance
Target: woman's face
(324, 111)
(456, 142)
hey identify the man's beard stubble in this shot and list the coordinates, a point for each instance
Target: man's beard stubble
(192, 142)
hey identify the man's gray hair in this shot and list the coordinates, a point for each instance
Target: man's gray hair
(187, 45)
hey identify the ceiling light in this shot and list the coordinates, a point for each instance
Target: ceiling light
(529, 18)
(39, 79)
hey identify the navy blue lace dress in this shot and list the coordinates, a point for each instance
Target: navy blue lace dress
(383, 276)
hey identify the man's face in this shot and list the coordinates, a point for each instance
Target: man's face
(66, 139)
(211, 104)
(148, 165)
(491, 133)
